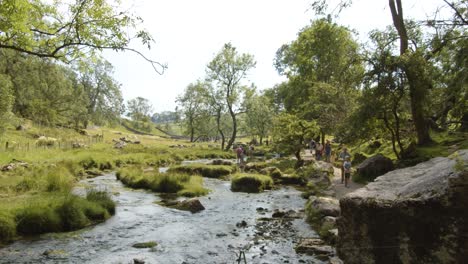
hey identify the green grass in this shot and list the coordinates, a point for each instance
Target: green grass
(251, 183)
(210, 171)
(177, 183)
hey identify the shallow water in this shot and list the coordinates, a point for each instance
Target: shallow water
(210, 236)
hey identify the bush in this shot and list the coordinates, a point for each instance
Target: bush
(7, 227)
(38, 219)
(72, 213)
(251, 183)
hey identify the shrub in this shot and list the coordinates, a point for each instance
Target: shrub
(167, 183)
(95, 212)
(7, 227)
(251, 183)
(72, 213)
(38, 219)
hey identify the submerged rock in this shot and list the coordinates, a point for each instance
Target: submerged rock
(412, 215)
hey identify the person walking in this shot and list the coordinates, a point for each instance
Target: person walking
(312, 146)
(318, 151)
(328, 151)
(347, 171)
(342, 157)
(239, 152)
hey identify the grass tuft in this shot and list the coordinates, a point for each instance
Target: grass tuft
(250, 183)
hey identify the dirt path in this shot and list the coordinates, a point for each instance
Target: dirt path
(339, 187)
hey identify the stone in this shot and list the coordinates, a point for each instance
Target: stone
(221, 162)
(335, 260)
(374, 166)
(193, 205)
(138, 261)
(323, 206)
(120, 145)
(314, 246)
(242, 224)
(417, 214)
(329, 220)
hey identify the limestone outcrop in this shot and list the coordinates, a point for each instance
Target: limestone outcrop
(374, 166)
(411, 215)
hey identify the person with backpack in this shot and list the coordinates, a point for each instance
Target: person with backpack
(318, 151)
(343, 156)
(239, 152)
(347, 171)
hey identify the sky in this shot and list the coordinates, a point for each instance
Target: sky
(190, 33)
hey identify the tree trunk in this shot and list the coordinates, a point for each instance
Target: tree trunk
(415, 80)
(218, 125)
(234, 128)
(464, 122)
(387, 124)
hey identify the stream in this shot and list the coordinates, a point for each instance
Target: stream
(213, 235)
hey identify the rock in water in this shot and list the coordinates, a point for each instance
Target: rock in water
(193, 205)
(412, 215)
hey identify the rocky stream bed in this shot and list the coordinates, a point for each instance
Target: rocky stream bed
(265, 227)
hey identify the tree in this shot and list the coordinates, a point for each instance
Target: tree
(68, 30)
(290, 133)
(414, 64)
(259, 115)
(324, 68)
(193, 105)
(227, 70)
(139, 109)
(104, 97)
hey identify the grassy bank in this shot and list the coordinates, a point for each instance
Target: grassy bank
(176, 183)
(209, 171)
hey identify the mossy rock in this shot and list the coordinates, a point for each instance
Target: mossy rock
(251, 183)
(149, 244)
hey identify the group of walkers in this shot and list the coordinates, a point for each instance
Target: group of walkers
(243, 153)
(325, 150)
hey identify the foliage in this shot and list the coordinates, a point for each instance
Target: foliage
(290, 133)
(227, 70)
(68, 30)
(139, 109)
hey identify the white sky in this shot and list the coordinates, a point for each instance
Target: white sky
(189, 33)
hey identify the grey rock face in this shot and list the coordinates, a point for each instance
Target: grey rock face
(412, 215)
(375, 166)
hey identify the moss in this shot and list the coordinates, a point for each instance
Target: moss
(276, 173)
(149, 244)
(251, 183)
(210, 171)
(7, 227)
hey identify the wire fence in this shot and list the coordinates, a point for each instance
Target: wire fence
(49, 143)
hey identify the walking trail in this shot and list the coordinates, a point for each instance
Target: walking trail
(339, 187)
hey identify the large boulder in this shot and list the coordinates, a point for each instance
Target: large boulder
(374, 166)
(320, 207)
(412, 215)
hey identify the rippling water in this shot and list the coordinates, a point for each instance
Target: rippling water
(210, 236)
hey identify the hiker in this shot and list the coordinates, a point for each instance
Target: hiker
(239, 152)
(327, 151)
(342, 157)
(347, 171)
(318, 151)
(312, 146)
